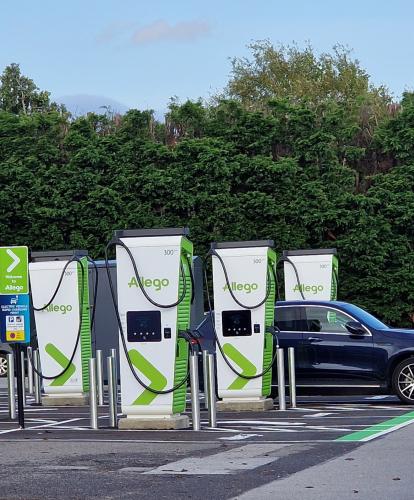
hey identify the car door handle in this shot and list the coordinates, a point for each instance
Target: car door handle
(314, 339)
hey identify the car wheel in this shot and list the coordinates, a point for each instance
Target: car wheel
(3, 365)
(403, 380)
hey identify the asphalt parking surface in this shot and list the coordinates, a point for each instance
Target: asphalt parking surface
(58, 455)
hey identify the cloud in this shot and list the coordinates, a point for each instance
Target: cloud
(184, 31)
(114, 30)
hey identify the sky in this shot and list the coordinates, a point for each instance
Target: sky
(136, 54)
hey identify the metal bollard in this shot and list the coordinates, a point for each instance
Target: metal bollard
(112, 391)
(23, 376)
(99, 377)
(195, 395)
(30, 370)
(281, 379)
(11, 390)
(114, 355)
(205, 377)
(292, 377)
(211, 391)
(93, 401)
(37, 379)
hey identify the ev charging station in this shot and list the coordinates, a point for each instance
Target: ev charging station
(244, 300)
(311, 274)
(60, 299)
(154, 289)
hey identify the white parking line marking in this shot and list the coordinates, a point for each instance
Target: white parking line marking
(275, 429)
(322, 428)
(260, 422)
(32, 410)
(41, 421)
(41, 426)
(246, 457)
(240, 437)
(67, 467)
(134, 469)
(348, 408)
(315, 415)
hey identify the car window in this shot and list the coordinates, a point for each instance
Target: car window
(324, 319)
(365, 317)
(288, 319)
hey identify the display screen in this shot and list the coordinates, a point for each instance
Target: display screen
(237, 323)
(144, 326)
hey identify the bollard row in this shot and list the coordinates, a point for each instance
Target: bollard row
(93, 400)
(37, 379)
(195, 395)
(211, 391)
(112, 391)
(11, 389)
(30, 385)
(99, 377)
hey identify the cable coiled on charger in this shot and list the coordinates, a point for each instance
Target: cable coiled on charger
(185, 335)
(211, 314)
(73, 259)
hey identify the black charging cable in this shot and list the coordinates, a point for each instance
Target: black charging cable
(295, 269)
(83, 275)
(185, 335)
(95, 290)
(226, 276)
(211, 314)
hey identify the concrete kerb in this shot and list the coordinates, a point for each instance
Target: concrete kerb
(260, 405)
(173, 422)
(65, 400)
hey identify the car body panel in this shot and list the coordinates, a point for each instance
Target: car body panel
(334, 358)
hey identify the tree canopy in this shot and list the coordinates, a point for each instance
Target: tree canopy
(317, 158)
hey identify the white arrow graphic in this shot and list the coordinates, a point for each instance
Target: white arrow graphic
(16, 260)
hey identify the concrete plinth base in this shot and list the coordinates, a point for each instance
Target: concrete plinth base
(155, 423)
(248, 405)
(69, 400)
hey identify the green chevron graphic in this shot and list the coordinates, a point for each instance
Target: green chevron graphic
(242, 362)
(157, 379)
(63, 361)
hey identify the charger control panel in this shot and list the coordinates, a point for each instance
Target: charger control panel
(237, 323)
(144, 326)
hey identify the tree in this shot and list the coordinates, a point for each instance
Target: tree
(19, 94)
(301, 169)
(184, 120)
(287, 72)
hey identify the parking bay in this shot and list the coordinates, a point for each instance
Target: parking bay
(251, 448)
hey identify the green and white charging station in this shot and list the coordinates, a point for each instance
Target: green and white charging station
(154, 302)
(311, 274)
(59, 281)
(244, 302)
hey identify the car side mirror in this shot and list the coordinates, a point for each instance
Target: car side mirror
(355, 328)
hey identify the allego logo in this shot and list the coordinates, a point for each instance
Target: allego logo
(62, 309)
(13, 288)
(157, 283)
(308, 288)
(241, 287)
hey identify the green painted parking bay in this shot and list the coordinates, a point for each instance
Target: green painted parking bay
(380, 429)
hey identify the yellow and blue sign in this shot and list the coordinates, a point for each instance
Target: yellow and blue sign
(15, 318)
(14, 295)
(14, 270)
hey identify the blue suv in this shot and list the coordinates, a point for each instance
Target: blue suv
(339, 345)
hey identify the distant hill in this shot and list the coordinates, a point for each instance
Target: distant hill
(81, 104)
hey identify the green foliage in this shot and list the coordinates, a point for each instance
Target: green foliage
(19, 94)
(319, 164)
(299, 75)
